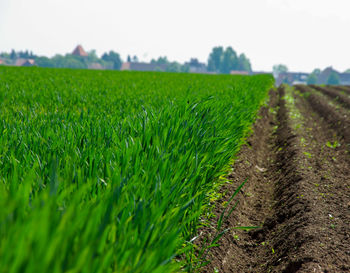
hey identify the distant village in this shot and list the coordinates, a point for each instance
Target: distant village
(79, 58)
(233, 64)
(328, 76)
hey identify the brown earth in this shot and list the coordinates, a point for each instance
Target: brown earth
(345, 89)
(298, 191)
(337, 117)
(335, 94)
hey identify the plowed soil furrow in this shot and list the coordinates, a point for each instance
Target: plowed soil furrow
(337, 119)
(334, 94)
(344, 88)
(327, 173)
(298, 192)
(237, 250)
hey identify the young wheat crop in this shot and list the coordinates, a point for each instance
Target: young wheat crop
(109, 171)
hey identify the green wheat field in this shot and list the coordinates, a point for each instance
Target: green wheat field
(107, 171)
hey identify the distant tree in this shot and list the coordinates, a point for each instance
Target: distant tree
(333, 79)
(311, 79)
(229, 61)
(5, 55)
(13, 55)
(69, 61)
(74, 62)
(174, 67)
(224, 61)
(160, 60)
(316, 71)
(135, 59)
(185, 68)
(194, 62)
(215, 57)
(244, 63)
(92, 56)
(114, 58)
(25, 54)
(278, 69)
(44, 62)
(347, 71)
(128, 59)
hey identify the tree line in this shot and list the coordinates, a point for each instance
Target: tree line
(220, 60)
(109, 60)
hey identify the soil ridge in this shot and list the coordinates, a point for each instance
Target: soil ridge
(334, 94)
(296, 162)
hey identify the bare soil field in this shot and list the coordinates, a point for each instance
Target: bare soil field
(298, 189)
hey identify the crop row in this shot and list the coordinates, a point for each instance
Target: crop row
(109, 171)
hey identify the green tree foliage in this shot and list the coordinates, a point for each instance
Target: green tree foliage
(316, 71)
(244, 63)
(160, 60)
(114, 58)
(109, 60)
(224, 61)
(333, 79)
(135, 59)
(171, 66)
(69, 61)
(229, 61)
(4, 55)
(312, 79)
(347, 71)
(13, 55)
(174, 67)
(92, 57)
(44, 62)
(214, 60)
(278, 69)
(25, 54)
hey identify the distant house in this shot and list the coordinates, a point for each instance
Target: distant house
(260, 73)
(344, 78)
(29, 62)
(24, 62)
(2, 62)
(19, 62)
(95, 66)
(324, 75)
(301, 78)
(292, 78)
(134, 66)
(196, 67)
(238, 72)
(79, 51)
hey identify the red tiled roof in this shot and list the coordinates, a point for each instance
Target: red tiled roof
(24, 62)
(79, 51)
(29, 62)
(20, 62)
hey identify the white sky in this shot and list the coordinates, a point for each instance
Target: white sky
(303, 34)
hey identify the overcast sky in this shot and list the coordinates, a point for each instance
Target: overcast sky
(303, 34)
